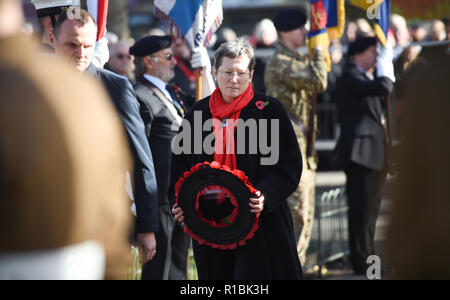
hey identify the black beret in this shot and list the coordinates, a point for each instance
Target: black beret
(289, 19)
(150, 44)
(361, 45)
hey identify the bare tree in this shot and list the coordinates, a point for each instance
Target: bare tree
(118, 18)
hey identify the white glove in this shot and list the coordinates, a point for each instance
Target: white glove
(101, 53)
(385, 67)
(200, 59)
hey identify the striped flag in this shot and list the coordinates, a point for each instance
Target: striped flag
(196, 20)
(99, 10)
(382, 22)
(380, 12)
(327, 22)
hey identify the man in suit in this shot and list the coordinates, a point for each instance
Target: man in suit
(162, 112)
(63, 209)
(75, 40)
(362, 146)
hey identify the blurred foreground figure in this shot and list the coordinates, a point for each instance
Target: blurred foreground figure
(63, 156)
(74, 41)
(419, 236)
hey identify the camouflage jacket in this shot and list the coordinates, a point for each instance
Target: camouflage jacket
(294, 78)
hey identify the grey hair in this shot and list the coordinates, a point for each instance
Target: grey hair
(233, 49)
(140, 66)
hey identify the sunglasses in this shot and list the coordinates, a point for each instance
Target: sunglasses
(122, 56)
(167, 56)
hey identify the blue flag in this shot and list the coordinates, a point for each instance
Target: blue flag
(195, 20)
(380, 12)
(382, 20)
(327, 22)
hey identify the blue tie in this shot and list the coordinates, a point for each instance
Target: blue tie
(175, 100)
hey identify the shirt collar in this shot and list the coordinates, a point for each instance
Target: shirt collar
(368, 74)
(161, 85)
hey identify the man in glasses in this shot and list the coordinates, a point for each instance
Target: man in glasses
(75, 41)
(162, 112)
(120, 61)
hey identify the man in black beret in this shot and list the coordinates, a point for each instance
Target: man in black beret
(294, 79)
(362, 147)
(162, 112)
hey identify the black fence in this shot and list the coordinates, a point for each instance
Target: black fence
(329, 240)
(327, 121)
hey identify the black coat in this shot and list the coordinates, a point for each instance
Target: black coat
(145, 189)
(362, 104)
(272, 253)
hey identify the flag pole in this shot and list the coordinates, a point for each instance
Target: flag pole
(199, 84)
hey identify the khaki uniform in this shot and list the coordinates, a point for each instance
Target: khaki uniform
(294, 79)
(63, 158)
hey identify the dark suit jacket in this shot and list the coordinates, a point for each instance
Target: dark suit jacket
(361, 103)
(158, 129)
(145, 189)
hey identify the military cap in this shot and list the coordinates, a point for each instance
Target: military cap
(150, 44)
(289, 19)
(361, 44)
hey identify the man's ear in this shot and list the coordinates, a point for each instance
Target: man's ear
(214, 72)
(48, 30)
(52, 39)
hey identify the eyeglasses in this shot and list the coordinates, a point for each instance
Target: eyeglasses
(167, 56)
(122, 56)
(229, 74)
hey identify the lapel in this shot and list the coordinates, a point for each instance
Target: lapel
(374, 104)
(161, 97)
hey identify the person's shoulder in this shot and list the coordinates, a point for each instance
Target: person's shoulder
(142, 91)
(111, 76)
(201, 104)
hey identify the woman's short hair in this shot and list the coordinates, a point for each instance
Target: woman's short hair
(233, 49)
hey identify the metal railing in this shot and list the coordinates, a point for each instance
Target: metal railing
(329, 240)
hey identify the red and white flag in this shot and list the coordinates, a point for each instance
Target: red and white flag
(99, 10)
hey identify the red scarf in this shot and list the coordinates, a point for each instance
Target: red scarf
(224, 113)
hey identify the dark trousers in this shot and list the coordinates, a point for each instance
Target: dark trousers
(364, 193)
(172, 245)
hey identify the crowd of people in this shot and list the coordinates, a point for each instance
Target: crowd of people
(95, 125)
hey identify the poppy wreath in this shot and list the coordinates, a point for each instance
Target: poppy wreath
(214, 199)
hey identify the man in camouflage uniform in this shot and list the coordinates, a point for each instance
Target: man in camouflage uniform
(294, 79)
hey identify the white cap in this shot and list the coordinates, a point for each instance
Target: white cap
(43, 4)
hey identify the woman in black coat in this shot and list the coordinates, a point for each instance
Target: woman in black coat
(274, 169)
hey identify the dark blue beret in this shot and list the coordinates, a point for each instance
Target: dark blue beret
(361, 44)
(289, 19)
(150, 44)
